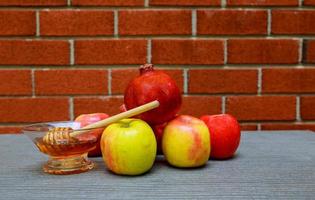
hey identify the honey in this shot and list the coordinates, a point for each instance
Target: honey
(70, 158)
(64, 150)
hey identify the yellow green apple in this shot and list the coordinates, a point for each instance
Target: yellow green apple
(186, 142)
(128, 147)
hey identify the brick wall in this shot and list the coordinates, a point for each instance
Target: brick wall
(251, 58)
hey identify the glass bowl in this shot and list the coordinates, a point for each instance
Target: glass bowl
(65, 157)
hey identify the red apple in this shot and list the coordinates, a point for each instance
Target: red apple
(225, 134)
(86, 119)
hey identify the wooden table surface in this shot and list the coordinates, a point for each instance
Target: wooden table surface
(268, 165)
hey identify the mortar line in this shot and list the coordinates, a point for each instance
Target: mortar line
(298, 107)
(223, 3)
(121, 94)
(194, 22)
(259, 127)
(71, 42)
(186, 79)
(149, 51)
(141, 37)
(62, 96)
(146, 3)
(71, 112)
(259, 82)
(222, 7)
(269, 18)
(301, 3)
(116, 23)
(258, 123)
(37, 23)
(164, 66)
(109, 81)
(223, 108)
(69, 2)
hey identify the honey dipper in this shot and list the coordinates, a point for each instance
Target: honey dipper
(66, 135)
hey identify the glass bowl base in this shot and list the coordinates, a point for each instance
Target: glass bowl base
(68, 165)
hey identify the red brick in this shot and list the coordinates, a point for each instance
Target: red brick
(155, 22)
(309, 51)
(263, 51)
(110, 52)
(300, 22)
(16, 22)
(222, 81)
(201, 52)
(248, 127)
(15, 82)
(200, 105)
(34, 52)
(69, 82)
(76, 22)
(108, 2)
(288, 80)
(185, 2)
(309, 2)
(33, 109)
(121, 78)
(288, 126)
(231, 22)
(252, 108)
(109, 105)
(308, 107)
(33, 3)
(10, 129)
(262, 2)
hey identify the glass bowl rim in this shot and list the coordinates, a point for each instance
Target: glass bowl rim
(28, 128)
(33, 129)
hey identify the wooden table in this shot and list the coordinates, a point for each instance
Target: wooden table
(269, 165)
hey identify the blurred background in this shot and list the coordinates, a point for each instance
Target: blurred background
(253, 59)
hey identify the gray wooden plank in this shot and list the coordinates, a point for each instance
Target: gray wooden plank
(268, 165)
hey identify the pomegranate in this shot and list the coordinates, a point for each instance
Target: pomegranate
(153, 85)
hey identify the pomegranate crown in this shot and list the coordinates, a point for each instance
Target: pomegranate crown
(145, 68)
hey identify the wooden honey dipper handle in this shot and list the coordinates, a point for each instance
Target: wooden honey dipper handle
(120, 116)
